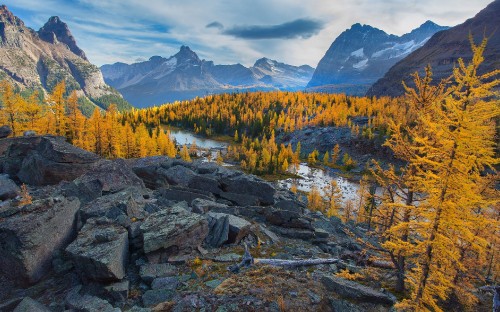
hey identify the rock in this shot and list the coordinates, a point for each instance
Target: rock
(87, 303)
(179, 175)
(53, 161)
(29, 239)
(203, 206)
(213, 283)
(150, 271)
(14, 151)
(169, 283)
(231, 257)
(172, 231)
(85, 192)
(294, 233)
(240, 199)
(100, 252)
(29, 133)
(154, 297)
(205, 183)
(355, 291)
(8, 188)
(238, 227)
(117, 292)
(149, 169)
(218, 232)
(30, 305)
(113, 175)
(5, 131)
(250, 185)
(183, 194)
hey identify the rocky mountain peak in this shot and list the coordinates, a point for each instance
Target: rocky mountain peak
(55, 30)
(186, 55)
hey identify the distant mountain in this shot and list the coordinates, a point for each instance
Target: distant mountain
(444, 49)
(39, 60)
(363, 54)
(184, 76)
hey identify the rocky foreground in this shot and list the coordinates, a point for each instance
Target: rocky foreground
(159, 234)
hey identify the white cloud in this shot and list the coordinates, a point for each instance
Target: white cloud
(125, 30)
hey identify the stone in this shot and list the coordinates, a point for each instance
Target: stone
(183, 194)
(150, 171)
(352, 290)
(8, 188)
(30, 305)
(150, 271)
(29, 239)
(117, 292)
(240, 199)
(14, 150)
(87, 303)
(154, 297)
(169, 283)
(213, 283)
(100, 252)
(5, 131)
(113, 175)
(29, 133)
(218, 232)
(172, 231)
(179, 175)
(203, 206)
(250, 185)
(205, 183)
(238, 227)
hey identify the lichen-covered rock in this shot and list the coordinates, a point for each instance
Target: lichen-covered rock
(237, 227)
(355, 291)
(172, 231)
(100, 252)
(87, 303)
(5, 131)
(29, 238)
(8, 188)
(30, 305)
(250, 185)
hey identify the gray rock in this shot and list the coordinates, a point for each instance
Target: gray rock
(87, 303)
(250, 185)
(218, 232)
(150, 271)
(238, 227)
(29, 239)
(352, 290)
(5, 131)
(171, 232)
(29, 133)
(213, 283)
(30, 305)
(169, 283)
(205, 183)
(203, 206)
(240, 199)
(117, 292)
(100, 251)
(154, 297)
(8, 188)
(179, 175)
(183, 194)
(150, 171)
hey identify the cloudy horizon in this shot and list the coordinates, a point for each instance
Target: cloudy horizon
(227, 32)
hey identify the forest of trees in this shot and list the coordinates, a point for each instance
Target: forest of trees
(437, 217)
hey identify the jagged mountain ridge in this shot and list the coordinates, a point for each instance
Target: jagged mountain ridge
(184, 76)
(444, 49)
(362, 54)
(39, 60)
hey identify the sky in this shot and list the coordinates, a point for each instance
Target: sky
(296, 32)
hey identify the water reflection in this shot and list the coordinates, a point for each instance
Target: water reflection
(184, 137)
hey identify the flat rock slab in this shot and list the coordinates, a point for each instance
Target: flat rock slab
(87, 303)
(150, 271)
(100, 252)
(352, 290)
(172, 231)
(30, 237)
(30, 305)
(8, 189)
(238, 227)
(154, 297)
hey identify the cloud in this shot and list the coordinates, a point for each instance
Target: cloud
(300, 28)
(215, 25)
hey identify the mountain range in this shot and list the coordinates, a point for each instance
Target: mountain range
(184, 76)
(363, 54)
(32, 59)
(444, 49)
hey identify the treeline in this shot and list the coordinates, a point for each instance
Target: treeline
(104, 132)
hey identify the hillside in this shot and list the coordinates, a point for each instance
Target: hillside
(444, 49)
(38, 60)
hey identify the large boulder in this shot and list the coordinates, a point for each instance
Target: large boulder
(8, 189)
(237, 227)
(30, 305)
(172, 231)
(100, 252)
(13, 152)
(354, 291)
(150, 170)
(5, 131)
(53, 161)
(75, 301)
(177, 193)
(250, 186)
(29, 238)
(179, 175)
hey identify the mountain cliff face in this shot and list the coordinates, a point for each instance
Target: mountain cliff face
(363, 54)
(184, 76)
(39, 60)
(444, 49)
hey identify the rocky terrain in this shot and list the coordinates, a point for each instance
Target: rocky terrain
(40, 59)
(160, 234)
(444, 49)
(363, 54)
(184, 76)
